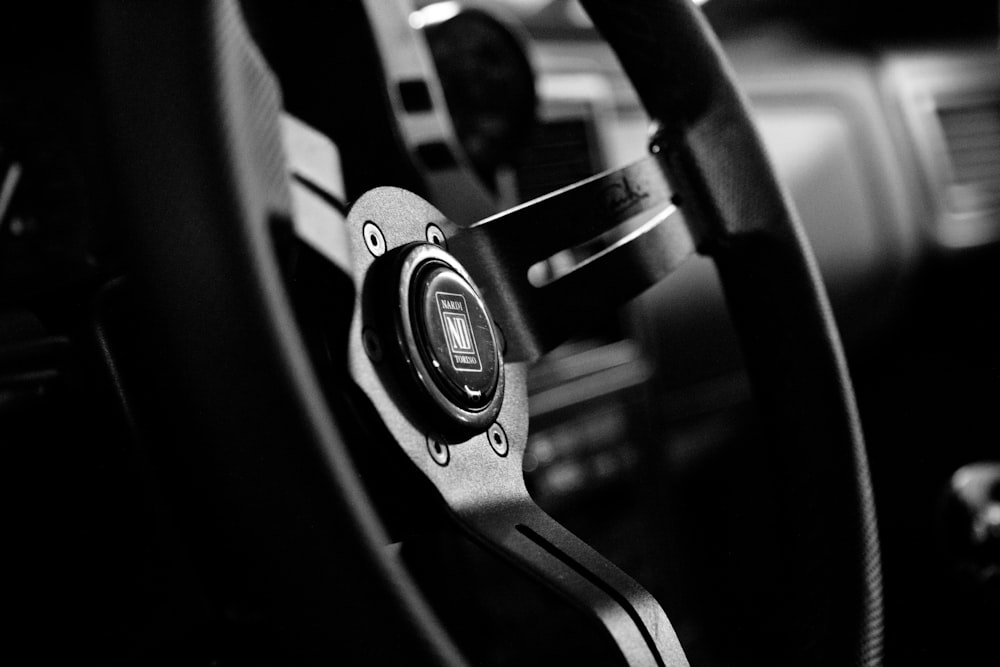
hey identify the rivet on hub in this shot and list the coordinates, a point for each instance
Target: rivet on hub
(435, 235)
(498, 439)
(438, 451)
(374, 240)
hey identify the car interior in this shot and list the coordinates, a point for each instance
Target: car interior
(501, 332)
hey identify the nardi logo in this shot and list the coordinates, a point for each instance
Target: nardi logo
(458, 332)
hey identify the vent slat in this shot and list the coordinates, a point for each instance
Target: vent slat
(988, 176)
(975, 142)
(972, 137)
(975, 158)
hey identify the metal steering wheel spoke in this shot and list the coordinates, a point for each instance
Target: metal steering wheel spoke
(637, 238)
(541, 546)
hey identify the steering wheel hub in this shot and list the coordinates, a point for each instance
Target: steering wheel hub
(448, 338)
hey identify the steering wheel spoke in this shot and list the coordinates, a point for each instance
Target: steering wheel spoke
(541, 546)
(538, 277)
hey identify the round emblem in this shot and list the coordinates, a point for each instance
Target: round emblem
(449, 343)
(455, 336)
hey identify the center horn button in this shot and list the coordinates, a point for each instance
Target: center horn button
(449, 340)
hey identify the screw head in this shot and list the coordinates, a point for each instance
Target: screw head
(436, 236)
(439, 451)
(498, 439)
(374, 240)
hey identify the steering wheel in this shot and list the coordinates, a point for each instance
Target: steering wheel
(427, 328)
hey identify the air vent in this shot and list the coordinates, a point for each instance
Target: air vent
(972, 141)
(950, 100)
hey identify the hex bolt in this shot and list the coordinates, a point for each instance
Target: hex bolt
(438, 451)
(373, 347)
(436, 236)
(498, 439)
(374, 240)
